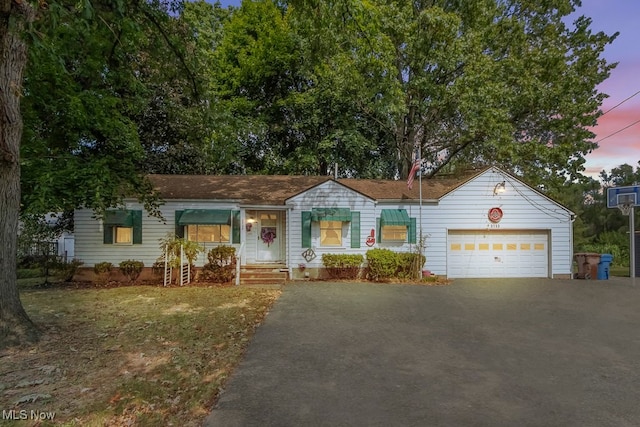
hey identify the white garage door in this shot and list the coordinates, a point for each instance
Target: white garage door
(497, 253)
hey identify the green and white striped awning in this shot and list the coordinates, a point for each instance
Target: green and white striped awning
(331, 214)
(394, 217)
(205, 216)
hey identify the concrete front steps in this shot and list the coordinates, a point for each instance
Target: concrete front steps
(263, 274)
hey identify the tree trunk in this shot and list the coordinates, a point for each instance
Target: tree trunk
(15, 325)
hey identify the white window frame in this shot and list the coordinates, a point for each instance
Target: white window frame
(116, 228)
(331, 226)
(220, 233)
(398, 227)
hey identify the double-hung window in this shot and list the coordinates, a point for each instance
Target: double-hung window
(122, 227)
(212, 233)
(208, 225)
(395, 226)
(332, 228)
(330, 233)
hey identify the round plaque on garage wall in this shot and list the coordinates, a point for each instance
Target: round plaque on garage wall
(495, 215)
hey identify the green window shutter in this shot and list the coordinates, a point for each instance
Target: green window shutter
(355, 229)
(306, 229)
(235, 227)
(412, 231)
(108, 234)
(137, 227)
(378, 229)
(179, 229)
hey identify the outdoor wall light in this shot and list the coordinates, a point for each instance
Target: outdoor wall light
(499, 188)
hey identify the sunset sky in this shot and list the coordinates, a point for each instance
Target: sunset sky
(623, 147)
(611, 16)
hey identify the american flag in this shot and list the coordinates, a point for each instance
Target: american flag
(412, 173)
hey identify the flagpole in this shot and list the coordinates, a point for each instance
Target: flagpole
(420, 190)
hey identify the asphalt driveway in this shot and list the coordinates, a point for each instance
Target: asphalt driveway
(475, 353)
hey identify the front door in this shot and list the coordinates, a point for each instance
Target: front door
(269, 236)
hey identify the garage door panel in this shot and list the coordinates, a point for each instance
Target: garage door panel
(497, 254)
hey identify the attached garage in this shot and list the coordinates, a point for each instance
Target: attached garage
(498, 253)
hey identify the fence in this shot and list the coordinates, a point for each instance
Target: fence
(36, 248)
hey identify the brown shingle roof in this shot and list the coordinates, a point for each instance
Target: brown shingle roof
(247, 189)
(276, 189)
(383, 189)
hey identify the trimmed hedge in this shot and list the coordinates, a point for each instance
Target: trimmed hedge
(384, 264)
(342, 266)
(132, 269)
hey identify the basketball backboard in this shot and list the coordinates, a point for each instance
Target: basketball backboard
(620, 195)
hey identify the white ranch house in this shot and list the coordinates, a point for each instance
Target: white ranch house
(490, 224)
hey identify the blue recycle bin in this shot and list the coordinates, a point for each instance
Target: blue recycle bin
(603, 266)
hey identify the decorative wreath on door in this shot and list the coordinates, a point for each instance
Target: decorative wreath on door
(268, 235)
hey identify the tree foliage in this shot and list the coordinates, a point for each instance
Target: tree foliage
(114, 90)
(484, 82)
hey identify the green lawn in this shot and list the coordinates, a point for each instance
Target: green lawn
(620, 271)
(133, 355)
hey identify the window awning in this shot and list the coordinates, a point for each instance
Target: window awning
(205, 216)
(331, 214)
(395, 217)
(119, 218)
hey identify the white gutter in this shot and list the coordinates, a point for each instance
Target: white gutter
(287, 228)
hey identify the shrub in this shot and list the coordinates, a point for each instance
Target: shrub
(221, 266)
(35, 261)
(103, 271)
(29, 273)
(102, 267)
(383, 264)
(66, 270)
(342, 266)
(157, 268)
(132, 269)
(410, 265)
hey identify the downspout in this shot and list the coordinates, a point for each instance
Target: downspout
(287, 233)
(243, 238)
(573, 219)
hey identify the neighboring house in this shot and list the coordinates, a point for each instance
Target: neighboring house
(61, 246)
(488, 225)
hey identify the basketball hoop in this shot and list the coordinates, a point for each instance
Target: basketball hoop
(625, 208)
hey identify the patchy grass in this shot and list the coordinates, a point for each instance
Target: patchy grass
(618, 270)
(135, 355)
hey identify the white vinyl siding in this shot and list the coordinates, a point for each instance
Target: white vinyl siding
(467, 207)
(463, 210)
(327, 195)
(333, 194)
(90, 249)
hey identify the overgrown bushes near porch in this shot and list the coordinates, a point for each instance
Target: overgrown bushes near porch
(221, 267)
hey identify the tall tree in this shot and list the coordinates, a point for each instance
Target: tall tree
(82, 90)
(181, 128)
(291, 116)
(502, 82)
(15, 325)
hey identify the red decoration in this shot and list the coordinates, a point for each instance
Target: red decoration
(371, 238)
(268, 235)
(495, 215)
